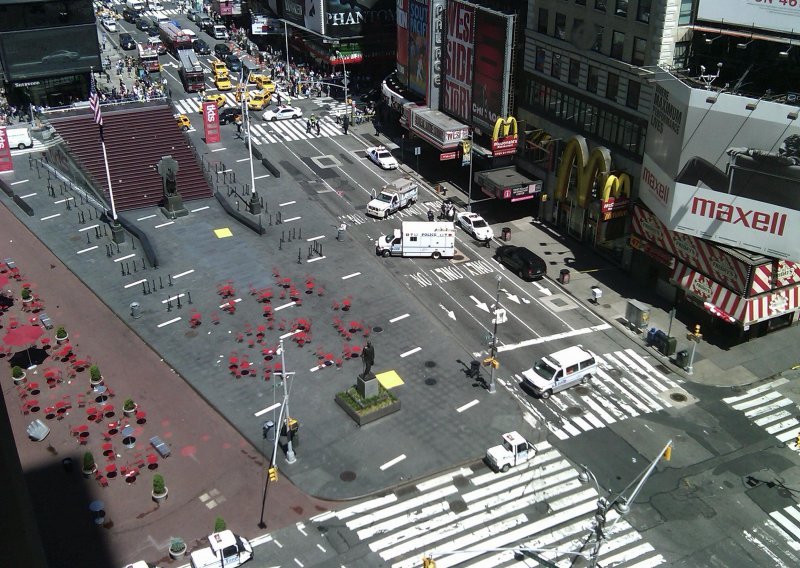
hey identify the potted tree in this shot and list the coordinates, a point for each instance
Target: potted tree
(61, 334)
(177, 547)
(129, 407)
(89, 465)
(27, 297)
(18, 375)
(95, 378)
(159, 489)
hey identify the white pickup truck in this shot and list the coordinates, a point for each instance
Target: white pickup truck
(393, 197)
(227, 549)
(514, 451)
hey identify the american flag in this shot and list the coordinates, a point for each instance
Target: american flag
(94, 102)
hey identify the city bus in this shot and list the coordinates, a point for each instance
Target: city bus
(148, 58)
(173, 38)
(190, 71)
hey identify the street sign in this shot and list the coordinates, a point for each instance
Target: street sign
(417, 151)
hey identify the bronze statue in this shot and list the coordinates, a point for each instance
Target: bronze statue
(368, 357)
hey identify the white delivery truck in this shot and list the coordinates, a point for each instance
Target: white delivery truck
(19, 137)
(393, 197)
(435, 239)
(135, 5)
(227, 549)
(514, 450)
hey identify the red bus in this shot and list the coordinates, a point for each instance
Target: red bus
(173, 38)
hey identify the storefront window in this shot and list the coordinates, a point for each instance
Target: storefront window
(574, 71)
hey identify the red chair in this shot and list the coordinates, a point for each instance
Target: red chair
(78, 430)
(113, 428)
(108, 410)
(141, 417)
(22, 391)
(152, 461)
(101, 479)
(108, 449)
(50, 412)
(81, 399)
(92, 413)
(33, 388)
(111, 470)
(61, 409)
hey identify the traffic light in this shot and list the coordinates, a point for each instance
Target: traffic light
(697, 329)
(428, 562)
(273, 473)
(668, 453)
(491, 362)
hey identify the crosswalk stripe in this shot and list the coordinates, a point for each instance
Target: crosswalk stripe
(768, 408)
(786, 524)
(754, 391)
(756, 401)
(401, 507)
(781, 426)
(781, 414)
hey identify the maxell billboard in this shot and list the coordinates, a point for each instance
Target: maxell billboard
(494, 33)
(402, 41)
(779, 15)
(724, 167)
(458, 61)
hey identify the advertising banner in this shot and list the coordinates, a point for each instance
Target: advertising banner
(458, 61)
(418, 46)
(6, 164)
(211, 122)
(267, 26)
(402, 41)
(306, 13)
(47, 52)
(493, 35)
(779, 15)
(723, 167)
(348, 18)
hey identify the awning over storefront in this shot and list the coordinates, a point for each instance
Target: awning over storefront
(441, 131)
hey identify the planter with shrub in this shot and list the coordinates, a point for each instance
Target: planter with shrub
(160, 490)
(89, 465)
(129, 407)
(177, 547)
(61, 334)
(95, 377)
(366, 410)
(18, 374)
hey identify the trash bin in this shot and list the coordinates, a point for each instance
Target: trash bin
(268, 429)
(136, 310)
(563, 276)
(682, 358)
(475, 369)
(506, 234)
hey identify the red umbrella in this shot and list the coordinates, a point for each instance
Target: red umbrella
(3, 280)
(23, 336)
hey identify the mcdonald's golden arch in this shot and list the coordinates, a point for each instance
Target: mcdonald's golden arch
(591, 169)
(504, 136)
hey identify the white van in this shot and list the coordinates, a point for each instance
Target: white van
(561, 370)
(19, 137)
(220, 32)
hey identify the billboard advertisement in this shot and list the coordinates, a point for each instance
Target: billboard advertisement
(211, 122)
(306, 13)
(351, 18)
(458, 61)
(492, 67)
(418, 46)
(6, 164)
(47, 52)
(778, 15)
(402, 41)
(723, 167)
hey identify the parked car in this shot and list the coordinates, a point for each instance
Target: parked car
(143, 24)
(383, 157)
(126, 41)
(522, 261)
(283, 112)
(229, 115)
(475, 225)
(201, 47)
(193, 15)
(233, 63)
(221, 50)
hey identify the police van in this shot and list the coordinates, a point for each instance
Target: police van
(560, 370)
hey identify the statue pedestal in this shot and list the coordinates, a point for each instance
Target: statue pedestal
(367, 387)
(117, 232)
(173, 207)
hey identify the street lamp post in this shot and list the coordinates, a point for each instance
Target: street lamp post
(493, 362)
(290, 455)
(469, 180)
(344, 67)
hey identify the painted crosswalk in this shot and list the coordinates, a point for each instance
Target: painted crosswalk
(473, 517)
(778, 538)
(769, 409)
(626, 385)
(330, 105)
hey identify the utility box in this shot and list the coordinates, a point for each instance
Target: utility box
(682, 358)
(638, 315)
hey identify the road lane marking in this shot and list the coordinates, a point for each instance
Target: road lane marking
(290, 219)
(467, 406)
(411, 352)
(120, 259)
(261, 176)
(218, 149)
(68, 199)
(286, 203)
(87, 228)
(199, 209)
(267, 409)
(398, 318)
(279, 308)
(164, 224)
(353, 275)
(315, 238)
(87, 249)
(168, 322)
(538, 340)
(183, 274)
(243, 160)
(50, 217)
(171, 298)
(236, 301)
(395, 461)
(316, 259)
(27, 195)
(145, 218)
(19, 182)
(135, 283)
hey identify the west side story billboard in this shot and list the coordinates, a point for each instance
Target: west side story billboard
(458, 61)
(779, 15)
(724, 167)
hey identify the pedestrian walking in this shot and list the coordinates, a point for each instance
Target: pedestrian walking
(376, 125)
(308, 127)
(345, 123)
(317, 124)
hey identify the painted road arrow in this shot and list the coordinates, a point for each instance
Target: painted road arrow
(451, 314)
(513, 297)
(542, 289)
(480, 304)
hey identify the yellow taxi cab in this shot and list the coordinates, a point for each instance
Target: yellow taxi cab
(218, 68)
(223, 83)
(256, 77)
(257, 100)
(183, 122)
(219, 99)
(265, 83)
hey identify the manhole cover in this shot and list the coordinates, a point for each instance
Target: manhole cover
(678, 397)
(430, 364)
(458, 257)
(582, 390)
(191, 333)
(574, 410)
(458, 506)
(430, 381)
(347, 476)
(377, 329)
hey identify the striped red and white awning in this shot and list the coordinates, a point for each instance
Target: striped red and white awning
(715, 311)
(708, 291)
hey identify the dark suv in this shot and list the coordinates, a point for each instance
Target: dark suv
(228, 115)
(526, 264)
(221, 50)
(233, 63)
(129, 15)
(126, 41)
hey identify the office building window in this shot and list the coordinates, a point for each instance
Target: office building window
(592, 79)
(639, 51)
(543, 17)
(685, 13)
(617, 44)
(643, 11)
(632, 98)
(541, 56)
(598, 41)
(600, 5)
(561, 26)
(574, 71)
(612, 86)
(621, 8)
(555, 67)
